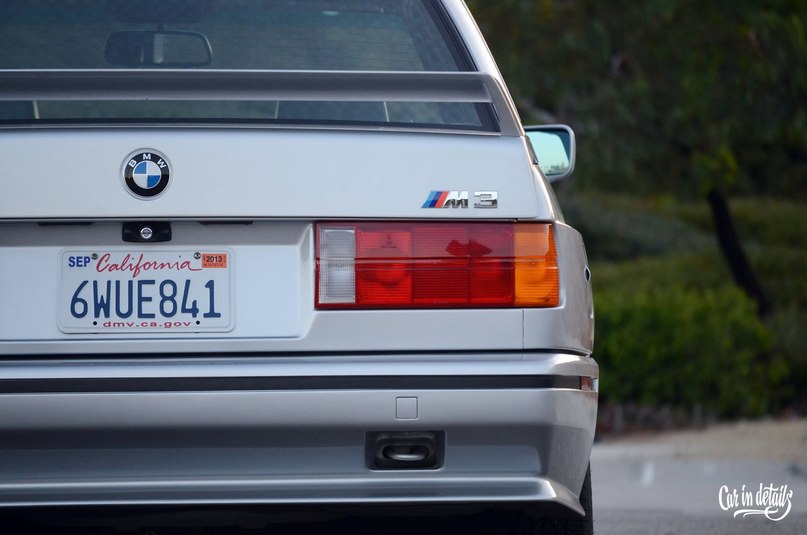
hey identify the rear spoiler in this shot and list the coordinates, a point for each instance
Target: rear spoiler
(260, 85)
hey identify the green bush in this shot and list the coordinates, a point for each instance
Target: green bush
(692, 271)
(673, 329)
(787, 327)
(619, 228)
(761, 221)
(667, 241)
(692, 350)
(781, 272)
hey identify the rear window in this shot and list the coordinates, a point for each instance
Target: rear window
(395, 35)
(272, 35)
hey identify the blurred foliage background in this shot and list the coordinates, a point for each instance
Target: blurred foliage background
(674, 101)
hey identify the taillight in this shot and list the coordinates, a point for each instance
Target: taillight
(436, 265)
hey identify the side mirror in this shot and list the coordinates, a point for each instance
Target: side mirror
(554, 148)
(136, 48)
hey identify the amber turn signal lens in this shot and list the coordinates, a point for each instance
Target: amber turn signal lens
(536, 261)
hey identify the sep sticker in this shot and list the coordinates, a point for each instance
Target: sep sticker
(214, 260)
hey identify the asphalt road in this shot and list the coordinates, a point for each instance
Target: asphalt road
(684, 483)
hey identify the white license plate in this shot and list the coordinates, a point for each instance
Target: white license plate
(146, 291)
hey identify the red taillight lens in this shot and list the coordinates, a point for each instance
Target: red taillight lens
(436, 265)
(383, 265)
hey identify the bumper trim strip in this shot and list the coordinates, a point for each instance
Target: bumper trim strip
(203, 384)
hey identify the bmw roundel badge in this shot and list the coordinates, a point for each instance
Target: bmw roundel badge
(146, 173)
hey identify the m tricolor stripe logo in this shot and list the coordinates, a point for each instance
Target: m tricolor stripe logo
(446, 199)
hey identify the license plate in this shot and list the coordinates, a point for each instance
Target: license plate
(146, 291)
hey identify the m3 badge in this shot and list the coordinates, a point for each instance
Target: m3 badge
(460, 199)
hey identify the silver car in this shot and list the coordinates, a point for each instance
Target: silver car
(284, 252)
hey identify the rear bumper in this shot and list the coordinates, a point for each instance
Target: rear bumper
(292, 430)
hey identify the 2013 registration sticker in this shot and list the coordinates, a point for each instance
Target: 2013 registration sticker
(115, 291)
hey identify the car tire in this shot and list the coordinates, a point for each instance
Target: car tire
(578, 525)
